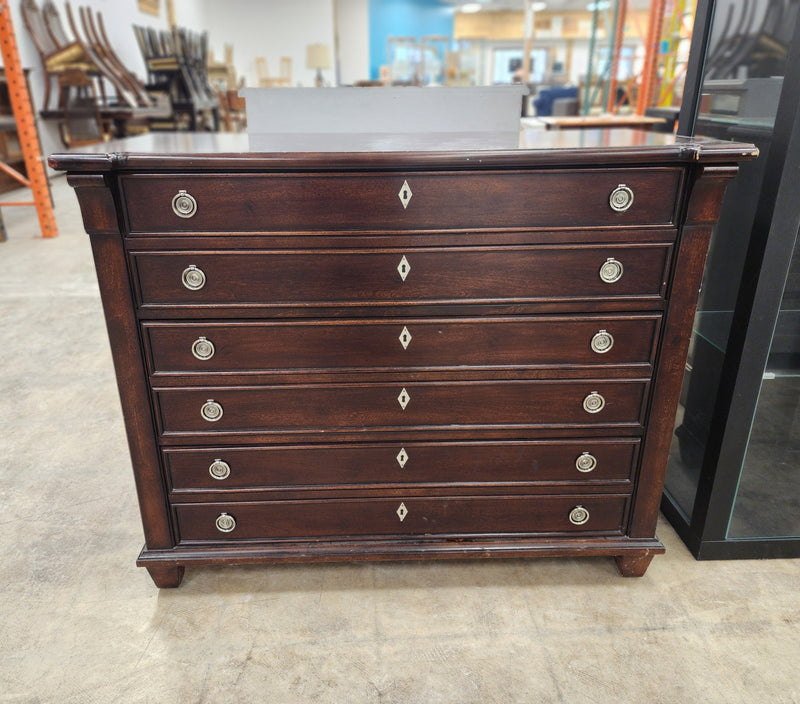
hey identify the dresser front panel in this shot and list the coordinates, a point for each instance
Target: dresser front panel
(590, 461)
(375, 277)
(433, 516)
(400, 201)
(421, 344)
(430, 405)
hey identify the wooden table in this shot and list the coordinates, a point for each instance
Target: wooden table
(601, 122)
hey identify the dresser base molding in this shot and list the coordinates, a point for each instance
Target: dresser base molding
(166, 566)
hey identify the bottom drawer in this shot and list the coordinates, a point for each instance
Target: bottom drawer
(342, 518)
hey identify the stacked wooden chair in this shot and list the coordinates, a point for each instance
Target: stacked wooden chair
(131, 93)
(282, 80)
(233, 112)
(83, 66)
(222, 74)
(59, 55)
(176, 65)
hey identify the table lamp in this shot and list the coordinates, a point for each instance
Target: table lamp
(318, 56)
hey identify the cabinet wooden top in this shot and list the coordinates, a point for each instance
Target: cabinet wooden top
(170, 151)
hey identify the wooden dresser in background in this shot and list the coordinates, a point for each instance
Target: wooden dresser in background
(427, 353)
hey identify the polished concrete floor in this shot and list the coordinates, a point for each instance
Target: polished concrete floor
(82, 624)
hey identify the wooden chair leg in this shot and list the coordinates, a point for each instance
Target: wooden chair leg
(48, 79)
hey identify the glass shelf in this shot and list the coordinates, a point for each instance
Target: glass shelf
(714, 326)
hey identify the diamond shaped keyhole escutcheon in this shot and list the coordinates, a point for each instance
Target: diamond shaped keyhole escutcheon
(403, 399)
(403, 268)
(402, 512)
(402, 457)
(405, 194)
(405, 338)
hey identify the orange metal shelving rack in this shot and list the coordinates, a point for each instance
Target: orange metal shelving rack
(26, 129)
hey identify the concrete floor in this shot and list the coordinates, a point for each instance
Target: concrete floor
(82, 624)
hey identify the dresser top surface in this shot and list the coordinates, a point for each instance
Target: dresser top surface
(204, 151)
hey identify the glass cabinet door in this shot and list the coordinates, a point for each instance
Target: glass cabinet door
(767, 501)
(734, 469)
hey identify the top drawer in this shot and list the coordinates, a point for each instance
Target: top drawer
(399, 202)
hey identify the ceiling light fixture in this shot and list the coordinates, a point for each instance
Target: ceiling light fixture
(471, 7)
(538, 6)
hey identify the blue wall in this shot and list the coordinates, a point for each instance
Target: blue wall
(404, 18)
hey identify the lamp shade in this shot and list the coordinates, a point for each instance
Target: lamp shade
(318, 56)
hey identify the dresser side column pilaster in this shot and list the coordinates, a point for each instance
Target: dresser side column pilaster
(101, 220)
(705, 193)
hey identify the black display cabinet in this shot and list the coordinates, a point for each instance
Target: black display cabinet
(733, 480)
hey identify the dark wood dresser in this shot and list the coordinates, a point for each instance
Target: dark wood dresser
(429, 353)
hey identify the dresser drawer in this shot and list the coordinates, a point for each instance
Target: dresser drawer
(410, 344)
(276, 520)
(433, 405)
(589, 461)
(400, 201)
(370, 277)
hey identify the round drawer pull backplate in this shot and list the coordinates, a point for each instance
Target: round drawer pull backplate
(225, 523)
(193, 278)
(621, 198)
(586, 462)
(578, 516)
(594, 403)
(611, 271)
(211, 411)
(184, 205)
(203, 348)
(219, 469)
(602, 341)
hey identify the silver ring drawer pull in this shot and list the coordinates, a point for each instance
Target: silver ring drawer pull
(611, 271)
(594, 403)
(193, 278)
(219, 469)
(621, 198)
(586, 462)
(225, 523)
(203, 348)
(211, 411)
(579, 516)
(602, 341)
(184, 205)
